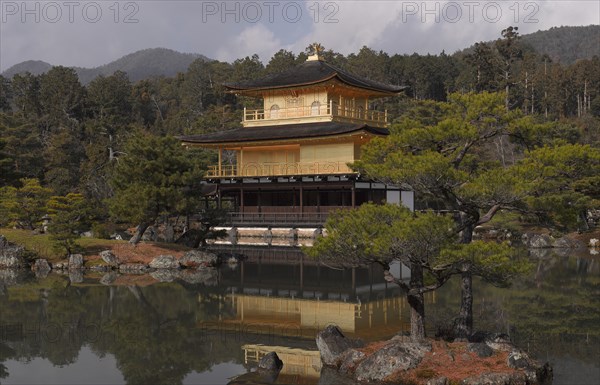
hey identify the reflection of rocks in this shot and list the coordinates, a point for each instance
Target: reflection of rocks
(332, 343)
(75, 261)
(270, 362)
(164, 262)
(41, 267)
(75, 275)
(133, 268)
(541, 253)
(198, 258)
(268, 370)
(164, 275)
(109, 257)
(108, 278)
(11, 277)
(206, 277)
(331, 376)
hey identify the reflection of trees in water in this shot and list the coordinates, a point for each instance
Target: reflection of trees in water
(151, 331)
(553, 309)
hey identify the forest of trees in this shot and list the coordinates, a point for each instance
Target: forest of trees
(65, 138)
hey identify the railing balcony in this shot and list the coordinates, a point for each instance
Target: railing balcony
(329, 112)
(277, 169)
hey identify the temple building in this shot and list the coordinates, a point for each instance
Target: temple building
(288, 163)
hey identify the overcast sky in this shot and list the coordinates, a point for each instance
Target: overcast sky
(92, 33)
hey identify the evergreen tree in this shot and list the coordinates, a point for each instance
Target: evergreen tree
(156, 176)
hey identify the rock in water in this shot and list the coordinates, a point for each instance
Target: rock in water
(331, 343)
(41, 265)
(198, 258)
(270, 362)
(164, 262)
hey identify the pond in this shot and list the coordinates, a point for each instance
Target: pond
(209, 328)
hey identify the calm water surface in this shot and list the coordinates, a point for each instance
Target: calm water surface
(210, 327)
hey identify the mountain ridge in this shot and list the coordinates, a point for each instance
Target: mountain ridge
(565, 44)
(138, 65)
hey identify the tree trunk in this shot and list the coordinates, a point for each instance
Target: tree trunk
(139, 232)
(417, 316)
(416, 302)
(463, 326)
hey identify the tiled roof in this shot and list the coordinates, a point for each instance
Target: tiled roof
(282, 132)
(312, 72)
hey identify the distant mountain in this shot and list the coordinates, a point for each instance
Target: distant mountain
(35, 67)
(562, 44)
(138, 65)
(566, 44)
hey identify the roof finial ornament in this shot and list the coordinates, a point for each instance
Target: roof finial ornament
(316, 50)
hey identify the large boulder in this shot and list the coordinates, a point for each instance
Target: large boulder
(11, 256)
(41, 265)
(198, 258)
(3, 241)
(481, 349)
(567, 243)
(332, 343)
(540, 241)
(395, 356)
(109, 257)
(164, 262)
(75, 261)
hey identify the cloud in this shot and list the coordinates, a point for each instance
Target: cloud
(228, 30)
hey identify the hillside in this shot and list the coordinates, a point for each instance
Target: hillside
(563, 45)
(138, 65)
(566, 44)
(35, 67)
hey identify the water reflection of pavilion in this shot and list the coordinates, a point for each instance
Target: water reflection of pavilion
(282, 292)
(301, 364)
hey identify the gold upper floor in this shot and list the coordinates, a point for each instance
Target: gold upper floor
(321, 103)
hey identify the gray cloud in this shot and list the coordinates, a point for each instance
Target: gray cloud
(76, 34)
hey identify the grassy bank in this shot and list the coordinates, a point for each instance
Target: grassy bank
(44, 247)
(41, 244)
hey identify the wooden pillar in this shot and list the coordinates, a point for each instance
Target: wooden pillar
(219, 193)
(242, 198)
(241, 162)
(353, 197)
(301, 200)
(318, 200)
(220, 161)
(259, 200)
(302, 272)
